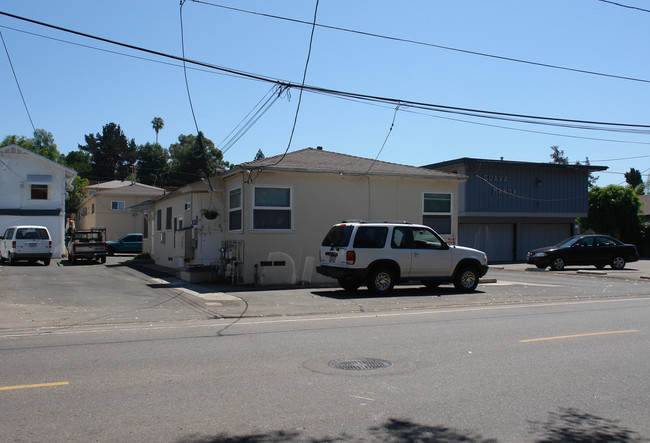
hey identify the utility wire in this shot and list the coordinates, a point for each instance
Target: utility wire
(187, 84)
(523, 118)
(625, 6)
(304, 77)
(17, 82)
(432, 45)
(390, 130)
(257, 112)
(211, 71)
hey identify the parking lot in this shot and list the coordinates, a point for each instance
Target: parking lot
(119, 292)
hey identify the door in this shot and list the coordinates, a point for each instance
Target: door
(431, 256)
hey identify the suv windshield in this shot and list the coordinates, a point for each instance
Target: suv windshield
(338, 236)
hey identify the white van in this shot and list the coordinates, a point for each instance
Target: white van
(29, 243)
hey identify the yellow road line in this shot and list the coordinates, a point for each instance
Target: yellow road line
(40, 385)
(577, 335)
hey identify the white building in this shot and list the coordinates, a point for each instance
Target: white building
(33, 191)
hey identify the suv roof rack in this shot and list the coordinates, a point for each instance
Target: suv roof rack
(353, 221)
(399, 221)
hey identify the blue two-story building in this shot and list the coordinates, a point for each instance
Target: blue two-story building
(507, 208)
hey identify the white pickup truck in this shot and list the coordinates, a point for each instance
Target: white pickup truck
(89, 244)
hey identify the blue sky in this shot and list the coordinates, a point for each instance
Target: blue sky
(73, 90)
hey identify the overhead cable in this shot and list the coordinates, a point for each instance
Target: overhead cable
(625, 6)
(17, 82)
(522, 118)
(432, 45)
(304, 77)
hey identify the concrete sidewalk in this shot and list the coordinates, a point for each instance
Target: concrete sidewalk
(228, 301)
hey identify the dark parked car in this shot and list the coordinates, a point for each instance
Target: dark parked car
(130, 244)
(596, 250)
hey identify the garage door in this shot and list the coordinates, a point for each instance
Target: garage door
(495, 239)
(538, 235)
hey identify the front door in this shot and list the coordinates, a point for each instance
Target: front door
(431, 256)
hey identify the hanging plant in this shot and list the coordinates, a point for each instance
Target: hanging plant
(210, 214)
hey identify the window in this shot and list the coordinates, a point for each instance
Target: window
(38, 192)
(159, 220)
(178, 223)
(371, 237)
(436, 212)
(234, 210)
(92, 208)
(188, 206)
(117, 205)
(168, 218)
(425, 239)
(272, 208)
(145, 227)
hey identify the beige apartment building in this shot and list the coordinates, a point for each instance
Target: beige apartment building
(108, 204)
(274, 213)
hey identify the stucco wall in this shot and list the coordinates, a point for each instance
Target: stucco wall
(318, 202)
(15, 170)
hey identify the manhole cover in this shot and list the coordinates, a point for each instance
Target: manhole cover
(360, 364)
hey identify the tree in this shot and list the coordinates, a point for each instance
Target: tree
(194, 157)
(157, 124)
(153, 163)
(614, 210)
(74, 197)
(634, 179)
(41, 143)
(79, 161)
(260, 155)
(111, 153)
(558, 156)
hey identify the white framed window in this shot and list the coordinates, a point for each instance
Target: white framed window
(188, 206)
(92, 208)
(272, 208)
(234, 210)
(39, 192)
(168, 218)
(436, 212)
(159, 220)
(178, 223)
(118, 205)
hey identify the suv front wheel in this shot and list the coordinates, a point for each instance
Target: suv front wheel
(466, 279)
(380, 281)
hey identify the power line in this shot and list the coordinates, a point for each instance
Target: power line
(522, 118)
(432, 45)
(304, 77)
(17, 82)
(187, 84)
(211, 71)
(625, 6)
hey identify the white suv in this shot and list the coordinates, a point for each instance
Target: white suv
(384, 254)
(29, 243)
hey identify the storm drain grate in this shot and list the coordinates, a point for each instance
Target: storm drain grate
(360, 364)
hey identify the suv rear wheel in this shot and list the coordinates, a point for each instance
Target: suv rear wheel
(466, 279)
(380, 281)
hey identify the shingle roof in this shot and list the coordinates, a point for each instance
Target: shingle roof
(115, 184)
(320, 161)
(468, 160)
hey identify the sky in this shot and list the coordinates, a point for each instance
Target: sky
(74, 85)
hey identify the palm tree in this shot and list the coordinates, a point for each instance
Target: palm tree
(158, 124)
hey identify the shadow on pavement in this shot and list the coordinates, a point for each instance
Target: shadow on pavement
(568, 425)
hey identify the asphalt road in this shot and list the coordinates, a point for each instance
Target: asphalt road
(525, 372)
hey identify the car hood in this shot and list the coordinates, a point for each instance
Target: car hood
(545, 249)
